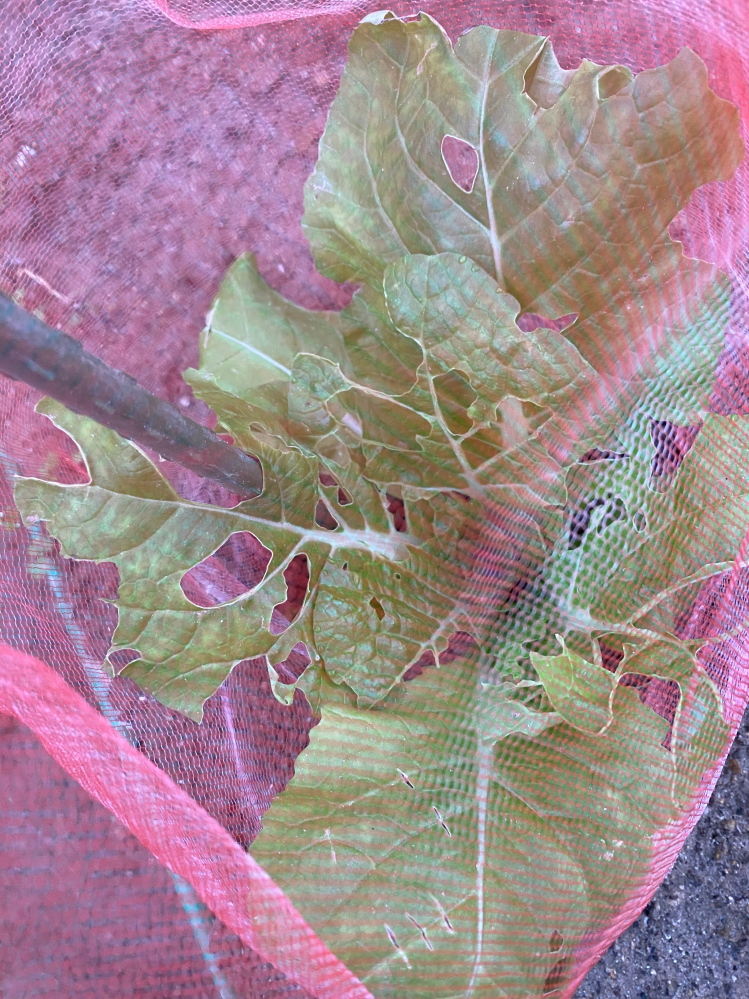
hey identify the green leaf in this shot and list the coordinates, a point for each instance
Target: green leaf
(255, 333)
(438, 856)
(253, 336)
(377, 598)
(580, 174)
(580, 691)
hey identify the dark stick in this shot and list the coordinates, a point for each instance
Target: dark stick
(57, 364)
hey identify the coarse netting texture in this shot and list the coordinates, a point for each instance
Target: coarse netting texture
(139, 157)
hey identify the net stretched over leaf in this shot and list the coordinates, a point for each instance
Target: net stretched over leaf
(434, 714)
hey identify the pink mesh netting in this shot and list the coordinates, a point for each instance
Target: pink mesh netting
(138, 157)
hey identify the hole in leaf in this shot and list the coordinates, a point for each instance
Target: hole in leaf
(391, 937)
(324, 518)
(397, 510)
(558, 976)
(441, 820)
(296, 575)
(425, 660)
(455, 395)
(458, 647)
(345, 566)
(610, 658)
(294, 664)
(662, 696)
(556, 941)
(329, 481)
(235, 568)
(671, 443)
(422, 931)
(462, 162)
(612, 82)
(580, 522)
(615, 510)
(122, 658)
(193, 487)
(379, 610)
(596, 454)
(531, 321)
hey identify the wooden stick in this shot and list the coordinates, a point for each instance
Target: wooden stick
(57, 364)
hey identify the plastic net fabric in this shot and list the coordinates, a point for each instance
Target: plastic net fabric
(139, 159)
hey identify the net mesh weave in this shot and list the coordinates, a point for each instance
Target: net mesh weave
(138, 158)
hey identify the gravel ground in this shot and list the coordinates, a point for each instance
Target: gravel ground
(692, 941)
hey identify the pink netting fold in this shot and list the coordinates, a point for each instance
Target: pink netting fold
(169, 823)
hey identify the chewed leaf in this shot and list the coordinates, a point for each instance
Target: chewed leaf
(699, 731)
(464, 321)
(580, 691)
(129, 514)
(465, 823)
(639, 546)
(573, 183)
(470, 446)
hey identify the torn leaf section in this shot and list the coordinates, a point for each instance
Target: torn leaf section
(699, 732)
(580, 174)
